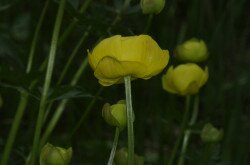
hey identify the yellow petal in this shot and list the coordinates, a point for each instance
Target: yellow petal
(110, 71)
(187, 78)
(167, 82)
(107, 47)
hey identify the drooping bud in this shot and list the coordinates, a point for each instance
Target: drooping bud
(192, 50)
(115, 115)
(121, 158)
(51, 155)
(152, 6)
(210, 134)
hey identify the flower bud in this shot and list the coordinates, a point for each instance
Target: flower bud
(210, 134)
(192, 50)
(115, 115)
(152, 6)
(184, 79)
(121, 158)
(51, 155)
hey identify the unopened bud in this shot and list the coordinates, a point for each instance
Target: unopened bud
(192, 50)
(210, 134)
(115, 115)
(51, 155)
(152, 6)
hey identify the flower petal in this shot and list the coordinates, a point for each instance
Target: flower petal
(110, 71)
(167, 82)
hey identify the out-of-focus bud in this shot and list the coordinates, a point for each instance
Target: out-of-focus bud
(115, 115)
(121, 158)
(210, 134)
(192, 50)
(152, 6)
(51, 155)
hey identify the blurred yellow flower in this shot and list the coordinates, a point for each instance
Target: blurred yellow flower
(135, 56)
(192, 50)
(185, 79)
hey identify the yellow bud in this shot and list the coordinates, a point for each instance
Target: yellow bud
(121, 158)
(135, 56)
(185, 79)
(210, 134)
(192, 50)
(152, 6)
(51, 155)
(115, 115)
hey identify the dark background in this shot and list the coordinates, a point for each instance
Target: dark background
(225, 101)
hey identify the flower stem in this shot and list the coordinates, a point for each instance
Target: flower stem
(149, 21)
(183, 126)
(24, 95)
(188, 132)
(62, 104)
(34, 41)
(127, 81)
(47, 82)
(115, 142)
(11, 138)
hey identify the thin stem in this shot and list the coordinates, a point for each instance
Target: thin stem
(47, 82)
(115, 142)
(86, 112)
(183, 126)
(127, 80)
(61, 106)
(14, 127)
(149, 21)
(24, 96)
(69, 61)
(73, 24)
(34, 41)
(188, 132)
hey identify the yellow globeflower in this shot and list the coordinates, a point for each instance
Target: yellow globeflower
(193, 50)
(185, 79)
(117, 56)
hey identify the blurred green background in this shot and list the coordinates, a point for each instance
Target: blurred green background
(225, 101)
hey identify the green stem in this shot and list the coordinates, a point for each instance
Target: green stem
(34, 41)
(86, 112)
(14, 127)
(24, 96)
(47, 82)
(72, 55)
(183, 126)
(115, 142)
(188, 132)
(130, 121)
(150, 18)
(62, 104)
(73, 24)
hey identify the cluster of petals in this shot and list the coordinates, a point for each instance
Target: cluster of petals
(136, 56)
(185, 79)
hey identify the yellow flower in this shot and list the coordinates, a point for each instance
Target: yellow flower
(185, 79)
(192, 50)
(135, 56)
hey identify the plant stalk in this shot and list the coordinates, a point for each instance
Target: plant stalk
(47, 83)
(127, 80)
(115, 142)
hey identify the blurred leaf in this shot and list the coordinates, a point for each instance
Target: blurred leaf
(67, 92)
